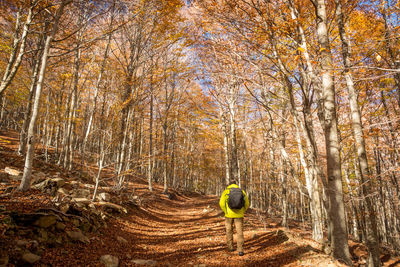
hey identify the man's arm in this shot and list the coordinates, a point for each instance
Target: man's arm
(222, 201)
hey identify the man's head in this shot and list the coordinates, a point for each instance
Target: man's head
(232, 181)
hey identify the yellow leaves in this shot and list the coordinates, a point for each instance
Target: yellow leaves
(301, 49)
(5, 48)
(65, 76)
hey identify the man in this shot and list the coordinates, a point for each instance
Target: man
(234, 213)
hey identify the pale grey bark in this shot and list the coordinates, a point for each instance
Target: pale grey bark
(150, 155)
(27, 114)
(337, 216)
(26, 178)
(283, 193)
(370, 216)
(16, 54)
(96, 93)
(232, 99)
(71, 124)
(226, 149)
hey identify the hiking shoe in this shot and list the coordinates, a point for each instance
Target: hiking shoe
(241, 253)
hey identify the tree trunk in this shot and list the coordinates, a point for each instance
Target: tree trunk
(337, 216)
(26, 178)
(16, 56)
(96, 93)
(27, 114)
(150, 160)
(370, 218)
(165, 164)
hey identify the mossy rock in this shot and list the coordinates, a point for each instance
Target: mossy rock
(46, 221)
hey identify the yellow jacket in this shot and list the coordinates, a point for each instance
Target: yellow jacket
(223, 203)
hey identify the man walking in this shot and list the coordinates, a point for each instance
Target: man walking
(234, 203)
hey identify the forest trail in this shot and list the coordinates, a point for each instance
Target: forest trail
(187, 230)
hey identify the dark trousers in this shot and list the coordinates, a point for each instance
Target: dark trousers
(239, 232)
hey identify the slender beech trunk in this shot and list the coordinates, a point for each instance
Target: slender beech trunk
(96, 93)
(232, 137)
(226, 150)
(26, 178)
(165, 163)
(337, 216)
(284, 197)
(68, 156)
(150, 160)
(370, 216)
(27, 114)
(16, 54)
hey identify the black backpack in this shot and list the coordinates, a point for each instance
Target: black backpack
(236, 199)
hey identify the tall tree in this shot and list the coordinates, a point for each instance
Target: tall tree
(370, 220)
(337, 215)
(26, 178)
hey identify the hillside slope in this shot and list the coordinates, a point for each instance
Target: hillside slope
(186, 229)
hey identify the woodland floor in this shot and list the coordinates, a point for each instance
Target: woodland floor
(186, 231)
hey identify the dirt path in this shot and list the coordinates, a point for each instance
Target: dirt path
(188, 231)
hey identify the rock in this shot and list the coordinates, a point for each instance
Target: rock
(80, 193)
(282, 235)
(122, 240)
(82, 200)
(59, 240)
(42, 235)
(40, 174)
(64, 207)
(41, 185)
(60, 226)
(14, 174)
(144, 262)
(30, 257)
(59, 181)
(200, 265)
(21, 243)
(109, 260)
(85, 227)
(39, 177)
(112, 206)
(104, 196)
(77, 236)
(76, 222)
(44, 185)
(4, 260)
(205, 210)
(46, 221)
(40, 251)
(32, 244)
(62, 191)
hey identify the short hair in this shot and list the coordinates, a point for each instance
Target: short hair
(232, 181)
